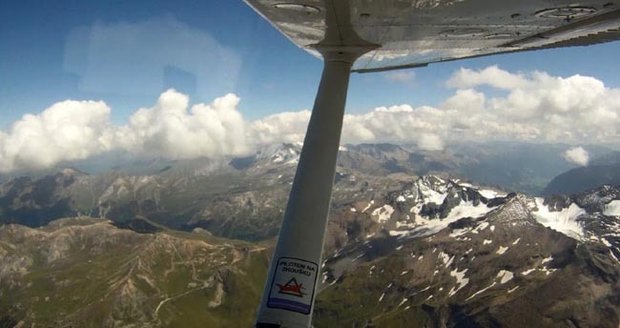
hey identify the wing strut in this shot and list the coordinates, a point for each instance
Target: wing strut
(290, 290)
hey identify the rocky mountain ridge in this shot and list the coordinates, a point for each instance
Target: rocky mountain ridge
(460, 255)
(238, 198)
(429, 250)
(401, 249)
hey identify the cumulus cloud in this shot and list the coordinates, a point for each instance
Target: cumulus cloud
(68, 130)
(174, 130)
(74, 130)
(577, 155)
(492, 76)
(283, 127)
(539, 107)
(400, 123)
(535, 107)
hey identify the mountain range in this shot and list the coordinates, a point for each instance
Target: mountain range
(188, 243)
(243, 197)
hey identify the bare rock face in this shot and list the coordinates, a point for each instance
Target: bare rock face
(453, 254)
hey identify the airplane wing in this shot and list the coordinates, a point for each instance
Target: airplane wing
(414, 33)
(378, 35)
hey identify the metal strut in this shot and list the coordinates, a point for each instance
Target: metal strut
(290, 290)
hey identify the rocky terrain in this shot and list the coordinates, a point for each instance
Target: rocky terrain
(243, 197)
(434, 250)
(450, 254)
(85, 272)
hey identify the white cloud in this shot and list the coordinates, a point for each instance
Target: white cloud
(174, 130)
(400, 123)
(492, 76)
(537, 107)
(74, 130)
(534, 107)
(283, 127)
(577, 155)
(68, 130)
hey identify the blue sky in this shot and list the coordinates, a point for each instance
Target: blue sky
(128, 53)
(36, 33)
(272, 74)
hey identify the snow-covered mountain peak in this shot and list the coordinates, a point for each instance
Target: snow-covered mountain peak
(286, 153)
(431, 204)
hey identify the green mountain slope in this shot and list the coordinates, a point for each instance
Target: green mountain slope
(87, 273)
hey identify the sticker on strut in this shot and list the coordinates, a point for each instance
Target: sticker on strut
(292, 287)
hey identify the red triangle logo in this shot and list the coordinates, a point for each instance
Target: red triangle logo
(292, 288)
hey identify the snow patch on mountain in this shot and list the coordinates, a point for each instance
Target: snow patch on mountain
(468, 209)
(505, 276)
(461, 281)
(445, 258)
(398, 233)
(382, 214)
(459, 232)
(612, 208)
(481, 291)
(372, 202)
(501, 250)
(490, 194)
(547, 271)
(526, 272)
(480, 227)
(564, 221)
(429, 226)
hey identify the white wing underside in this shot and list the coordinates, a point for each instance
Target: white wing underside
(418, 32)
